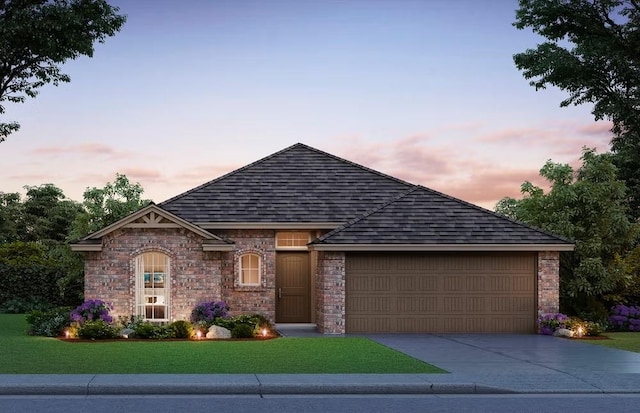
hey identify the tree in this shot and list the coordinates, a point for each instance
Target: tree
(589, 207)
(10, 214)
(104, 206)
(593, 53)
(36, 36)
(47, 215)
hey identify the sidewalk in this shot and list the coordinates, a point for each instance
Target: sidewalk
(478, 364)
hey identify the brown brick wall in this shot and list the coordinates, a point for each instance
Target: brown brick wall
(194, 275)
(548, 282)
(330, 292)
(250, 299)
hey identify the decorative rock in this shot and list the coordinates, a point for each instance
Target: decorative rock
(563, 332)
(218, 332)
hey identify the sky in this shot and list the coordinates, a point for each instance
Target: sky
(424, 90)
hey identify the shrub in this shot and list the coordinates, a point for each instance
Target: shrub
(24, 305)
(181, 329)
(242, 331)
(97, 330)
(549, 323)
(205, 314)
(149, 330)
(254, 321)
(625, 318)
(92, 310)
(50, 323)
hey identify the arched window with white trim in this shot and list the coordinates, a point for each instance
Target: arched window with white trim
(152, 286)
(249, 265)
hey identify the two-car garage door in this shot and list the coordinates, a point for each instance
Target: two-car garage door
(441, 293)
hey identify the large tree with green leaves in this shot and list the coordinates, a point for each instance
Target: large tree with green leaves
(37, 36)
(592, 51)
(588, 206)
(104, 206)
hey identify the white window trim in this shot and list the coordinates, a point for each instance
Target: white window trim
(240, 268)
(141, 303)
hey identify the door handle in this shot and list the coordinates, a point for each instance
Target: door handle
(279, 292)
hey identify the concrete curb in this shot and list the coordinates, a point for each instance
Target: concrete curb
(242, 384)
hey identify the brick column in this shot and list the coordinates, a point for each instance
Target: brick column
(330, 292)
(548, 282)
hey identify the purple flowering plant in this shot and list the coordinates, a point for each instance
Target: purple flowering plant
(549, 323)
(206, 313)
(92, 310)
(625, 318)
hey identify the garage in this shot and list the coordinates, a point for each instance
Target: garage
(439, 292)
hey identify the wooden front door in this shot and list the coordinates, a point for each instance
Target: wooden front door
(293, 287)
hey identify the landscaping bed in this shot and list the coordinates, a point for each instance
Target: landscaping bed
(24, 354)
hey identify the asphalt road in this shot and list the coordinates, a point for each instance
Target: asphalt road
(542, 403)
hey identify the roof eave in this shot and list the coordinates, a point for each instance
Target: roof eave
(440, 247)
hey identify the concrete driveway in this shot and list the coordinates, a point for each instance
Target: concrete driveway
(529, 363)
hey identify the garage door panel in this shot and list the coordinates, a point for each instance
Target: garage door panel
(434, 293)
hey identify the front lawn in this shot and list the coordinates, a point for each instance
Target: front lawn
(622, 341)
(23, 354)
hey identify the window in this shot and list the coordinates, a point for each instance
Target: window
(250, 269)
(152, 286)
(292, 240)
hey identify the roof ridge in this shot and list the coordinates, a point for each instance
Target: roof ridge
(485, 210)
(365, 215)
(235, 171)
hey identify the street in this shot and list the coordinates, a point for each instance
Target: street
(542, 403)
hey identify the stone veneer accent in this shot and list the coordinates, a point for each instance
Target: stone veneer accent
(548, 282)
(194, 274)
(250, 299)
(330, 292)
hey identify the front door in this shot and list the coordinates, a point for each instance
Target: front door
(293, 287)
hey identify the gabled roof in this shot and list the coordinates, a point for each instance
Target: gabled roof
(288, 189)
(421, 219)
(152, 216)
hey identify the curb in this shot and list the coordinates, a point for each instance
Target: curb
(112, 385)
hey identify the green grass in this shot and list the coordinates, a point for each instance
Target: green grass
(23, 354)
(621, 341)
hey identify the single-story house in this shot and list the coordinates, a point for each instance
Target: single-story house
(303, 236)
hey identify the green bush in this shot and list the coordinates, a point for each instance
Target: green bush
(149, 330)
(97, 330)
(181, 329)
(24, 305)
(50, 323)
(242, 331)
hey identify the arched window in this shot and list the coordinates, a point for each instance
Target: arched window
(152, 286)
(249, 269)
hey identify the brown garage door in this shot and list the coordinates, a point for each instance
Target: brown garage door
(441, 293)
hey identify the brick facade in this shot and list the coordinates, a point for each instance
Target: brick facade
(548, 282)
(250, 299)
(194, 274)
(197, 276)
(330, 293)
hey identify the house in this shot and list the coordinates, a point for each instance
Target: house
(303, 236)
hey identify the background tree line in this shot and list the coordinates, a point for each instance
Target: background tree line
(592, 52)
(37, 267)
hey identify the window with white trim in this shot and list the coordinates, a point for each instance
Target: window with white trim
(292, 240)
(152, 286)
(249, 265)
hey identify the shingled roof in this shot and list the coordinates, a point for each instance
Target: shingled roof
(294, 186)
(423, 219)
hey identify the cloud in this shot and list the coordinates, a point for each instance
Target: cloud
(598, 128)
(86, 148)
(142, 174)
(414, 158)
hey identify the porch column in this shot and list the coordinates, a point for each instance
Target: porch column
(330, 292)
(548, 282)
